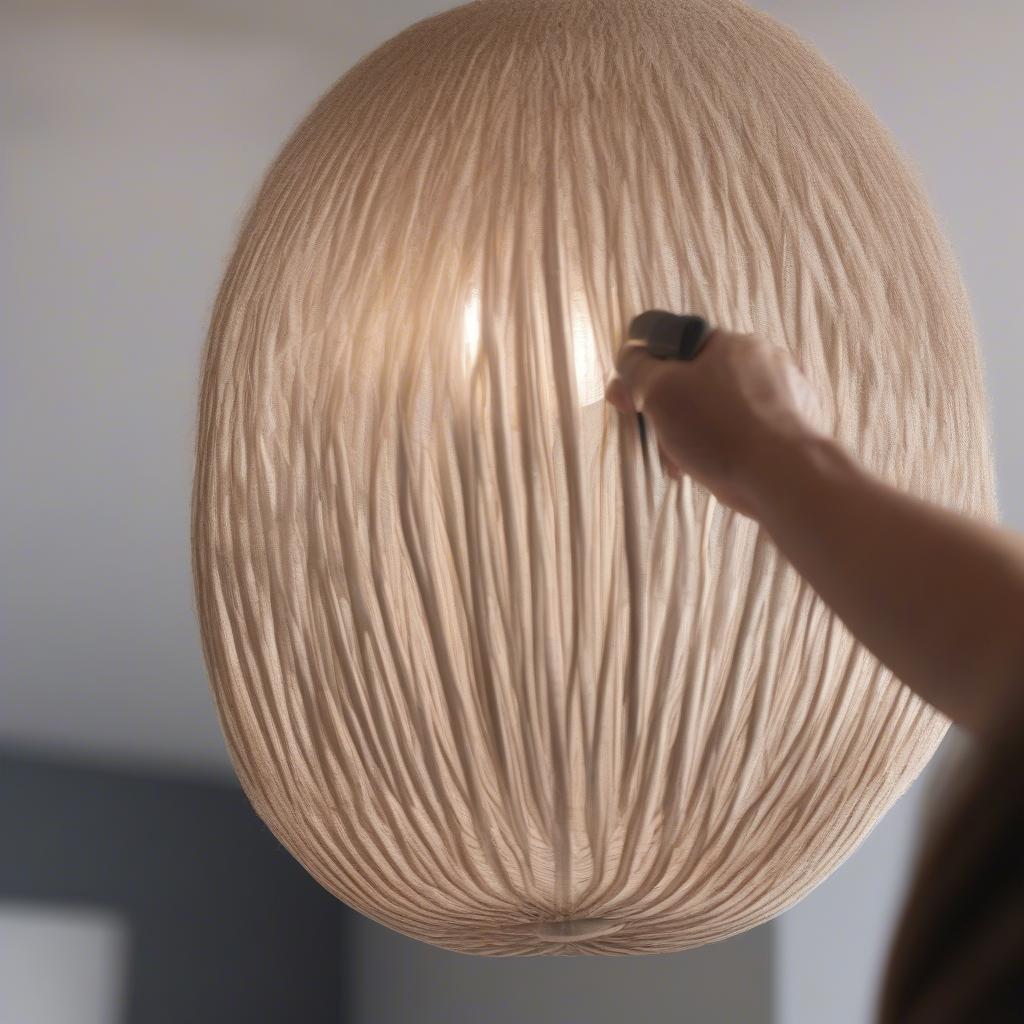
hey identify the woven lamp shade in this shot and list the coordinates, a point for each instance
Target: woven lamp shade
(490, 676)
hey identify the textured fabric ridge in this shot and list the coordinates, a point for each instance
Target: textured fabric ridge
(493, 679)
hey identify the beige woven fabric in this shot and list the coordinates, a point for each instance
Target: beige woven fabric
(495, 682)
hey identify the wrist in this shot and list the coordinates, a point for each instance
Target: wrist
(789, 469)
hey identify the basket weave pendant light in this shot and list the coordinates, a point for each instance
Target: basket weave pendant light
(493, 679)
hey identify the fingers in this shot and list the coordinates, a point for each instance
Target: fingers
(623, 387)
(617, 394)
(635, 373)
(639, 378)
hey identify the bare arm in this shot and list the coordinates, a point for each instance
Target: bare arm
(937, 597)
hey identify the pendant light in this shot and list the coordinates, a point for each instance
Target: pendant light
(490, 676)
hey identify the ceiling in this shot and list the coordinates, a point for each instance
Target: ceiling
(132, 136)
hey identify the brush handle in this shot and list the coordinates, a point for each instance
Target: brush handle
(667, 336)
(670, 335)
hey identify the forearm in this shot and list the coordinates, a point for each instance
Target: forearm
(937, 597)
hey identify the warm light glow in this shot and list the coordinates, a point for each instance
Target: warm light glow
(589, 378)
(471, 331)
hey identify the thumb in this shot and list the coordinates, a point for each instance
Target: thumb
(635, 371)
(617, 394)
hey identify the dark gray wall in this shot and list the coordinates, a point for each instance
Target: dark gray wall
(224, 927)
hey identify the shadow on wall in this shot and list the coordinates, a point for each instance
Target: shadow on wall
(129, 899)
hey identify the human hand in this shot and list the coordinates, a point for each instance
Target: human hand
(723, 418)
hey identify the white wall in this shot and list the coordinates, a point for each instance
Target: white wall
(62, 966)
(132, 136)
